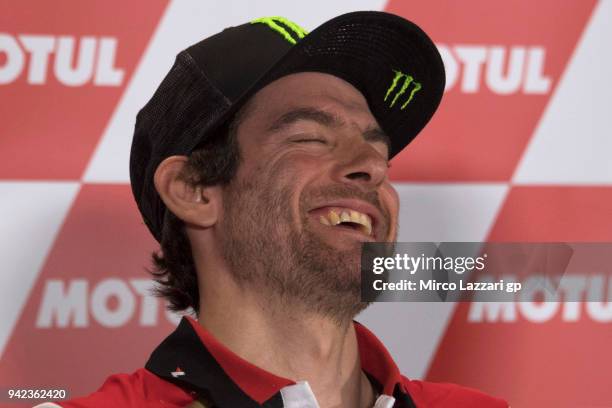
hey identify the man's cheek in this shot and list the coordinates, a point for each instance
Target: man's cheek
(295, 173)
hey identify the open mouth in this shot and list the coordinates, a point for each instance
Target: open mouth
(347, 218)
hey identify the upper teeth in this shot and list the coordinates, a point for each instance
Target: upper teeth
(337, 217)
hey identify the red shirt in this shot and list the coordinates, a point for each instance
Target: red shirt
(191, 362)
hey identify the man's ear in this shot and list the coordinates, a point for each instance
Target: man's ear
(196, 205)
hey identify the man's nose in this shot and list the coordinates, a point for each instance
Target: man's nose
(361, 165)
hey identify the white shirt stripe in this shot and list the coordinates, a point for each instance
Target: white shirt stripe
(300, 395)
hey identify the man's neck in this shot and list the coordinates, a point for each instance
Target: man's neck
(292, 344)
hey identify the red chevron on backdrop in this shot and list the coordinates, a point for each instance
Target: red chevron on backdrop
(71, 62)
(560, 360)
(503, 62)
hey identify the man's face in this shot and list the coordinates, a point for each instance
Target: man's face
(312, 186)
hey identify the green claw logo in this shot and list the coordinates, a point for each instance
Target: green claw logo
(283, 26)
(407, 80)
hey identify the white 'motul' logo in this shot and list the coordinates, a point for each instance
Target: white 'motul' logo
(94, 59)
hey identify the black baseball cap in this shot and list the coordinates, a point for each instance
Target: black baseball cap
(389, 59)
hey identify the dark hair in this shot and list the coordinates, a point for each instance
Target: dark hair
(213, 163)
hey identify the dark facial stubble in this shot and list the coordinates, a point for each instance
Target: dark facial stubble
(296, 270)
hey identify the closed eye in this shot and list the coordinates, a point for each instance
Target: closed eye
(310, 140)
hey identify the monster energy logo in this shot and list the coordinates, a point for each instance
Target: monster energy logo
(407, 80)
(284, 27)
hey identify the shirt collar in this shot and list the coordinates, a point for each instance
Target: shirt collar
(191, 357)
(376, 361)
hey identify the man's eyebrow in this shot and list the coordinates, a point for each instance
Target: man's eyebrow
(376, 134)
(306, 113)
